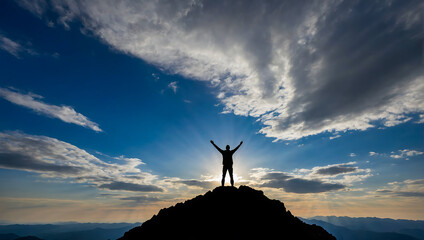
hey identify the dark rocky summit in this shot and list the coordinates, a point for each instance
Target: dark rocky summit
(227, 213)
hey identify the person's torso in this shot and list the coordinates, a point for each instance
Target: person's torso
(227, 158)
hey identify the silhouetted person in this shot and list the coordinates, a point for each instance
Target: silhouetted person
(227, 161)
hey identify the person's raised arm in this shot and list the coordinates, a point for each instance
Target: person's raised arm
(235, 149)
(217, 148)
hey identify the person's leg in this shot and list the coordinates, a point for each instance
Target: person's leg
(224, 172)
(230, 171)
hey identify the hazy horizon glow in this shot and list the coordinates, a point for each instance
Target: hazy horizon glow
(107, 109)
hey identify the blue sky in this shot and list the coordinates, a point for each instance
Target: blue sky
(107, 110)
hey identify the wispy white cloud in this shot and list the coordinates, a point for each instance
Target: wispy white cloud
(288, 70)
(131, 161)
(373, 154)
(399, 154)
(14, 48)
(155, 76)
(64, 113)
(173, 85)
(352, 155)
(10, 46)
(335, 136)
(405, 153)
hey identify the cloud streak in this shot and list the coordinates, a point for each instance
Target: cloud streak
(131, 187)
(399, 154)
(64, 113)
(53, 158)
(15, 48)
(413, 188)
(301, 69)
(406, 153)
(198, 183)
(336, 170)
(173, 86)
(298, 185)
(140, 199)
(318, 179)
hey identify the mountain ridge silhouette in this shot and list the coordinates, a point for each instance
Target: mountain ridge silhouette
(227, 213)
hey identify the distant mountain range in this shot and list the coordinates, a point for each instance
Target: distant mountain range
(66, 231)
(372, 223)
(347, 228)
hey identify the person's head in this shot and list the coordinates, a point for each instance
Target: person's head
(227, 147)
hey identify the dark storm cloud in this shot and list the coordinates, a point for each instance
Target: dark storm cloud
(335, 170)
(116, 185)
